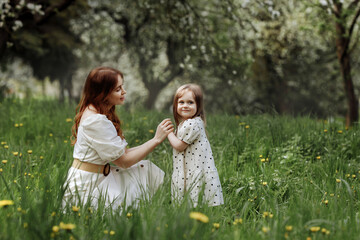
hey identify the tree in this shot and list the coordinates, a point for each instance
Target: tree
(344, 20)
(39, 33)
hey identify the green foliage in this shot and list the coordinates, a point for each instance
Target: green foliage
(276, 172)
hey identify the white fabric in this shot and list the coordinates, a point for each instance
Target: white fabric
(194, 168)
(98, 143)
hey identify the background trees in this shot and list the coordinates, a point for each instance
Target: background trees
(249, 56)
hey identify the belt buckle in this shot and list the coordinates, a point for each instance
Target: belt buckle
(106, 170)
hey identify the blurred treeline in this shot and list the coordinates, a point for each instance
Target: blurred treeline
(250, 56)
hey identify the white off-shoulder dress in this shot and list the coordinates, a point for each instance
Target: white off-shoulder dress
(194, 170)
(98, 143)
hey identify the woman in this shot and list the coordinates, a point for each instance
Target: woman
(99, 140)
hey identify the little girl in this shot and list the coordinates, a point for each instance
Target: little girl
(194, 168)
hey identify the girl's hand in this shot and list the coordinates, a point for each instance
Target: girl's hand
(163, 129)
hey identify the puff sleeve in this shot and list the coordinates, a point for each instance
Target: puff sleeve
(101, 136)
(189, 131)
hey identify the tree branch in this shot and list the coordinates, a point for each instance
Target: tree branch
(351, 29)
(353, 4)
(52, 10)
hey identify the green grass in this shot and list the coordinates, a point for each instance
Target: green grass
(276, 171)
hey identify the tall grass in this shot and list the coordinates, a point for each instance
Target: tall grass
(282, 177)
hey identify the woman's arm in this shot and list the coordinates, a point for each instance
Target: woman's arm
(134, 155)
(177, 143)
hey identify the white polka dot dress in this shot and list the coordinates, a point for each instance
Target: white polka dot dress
(194, 168)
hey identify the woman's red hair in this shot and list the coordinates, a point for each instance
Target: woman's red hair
(99, 84)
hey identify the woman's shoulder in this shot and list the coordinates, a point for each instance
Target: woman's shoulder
(91, 118)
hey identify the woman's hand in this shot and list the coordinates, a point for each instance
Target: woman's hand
(163, 129)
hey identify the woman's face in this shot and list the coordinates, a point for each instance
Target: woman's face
(117, 96)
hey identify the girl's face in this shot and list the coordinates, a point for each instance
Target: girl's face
(186, 105)
(117, 96)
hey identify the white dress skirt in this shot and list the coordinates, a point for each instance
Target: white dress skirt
(98, 143)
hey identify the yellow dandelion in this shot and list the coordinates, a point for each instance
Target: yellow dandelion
(53, 214)
(242, 123)
(112, 232)
(338, 180)
(353, 176)
(265, 214)
(15, 153)
(216, 225)
(16, 125)
(1, 169)
(137, 140)
(151, 131)
(6, 146)
(75, 208)
(331, 194)
(129, 215)
(199, 216)
(21, 124)
(5, 203)
(29, 151)
(19, 209)
(68, 120)
(55, 229)
(264, 183)
(263, 160)
(50, 135)
(67, 226)
(247, 126)
(3, 143)
(238, 220)
(106, 232)
(4, 161)
(315, 229)
(347, 175)
(326, 202)
(308, 238)
(15, 181)
(325, 130)
(65, 141)
(289, 228)
(260, 156)
(340, 131)
(41, 157)
(265, 229)
(318, 157)
(323, 230)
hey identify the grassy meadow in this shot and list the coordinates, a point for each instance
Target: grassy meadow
(282, 178)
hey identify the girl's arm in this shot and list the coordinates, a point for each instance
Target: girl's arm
(134, 155)
(176, 143)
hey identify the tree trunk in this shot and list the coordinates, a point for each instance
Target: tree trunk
(352, 114)
(3, 40)
(343, 55)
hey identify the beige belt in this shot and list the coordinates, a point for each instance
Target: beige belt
(91, 167)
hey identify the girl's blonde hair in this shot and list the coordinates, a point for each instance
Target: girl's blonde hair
(198, 95)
